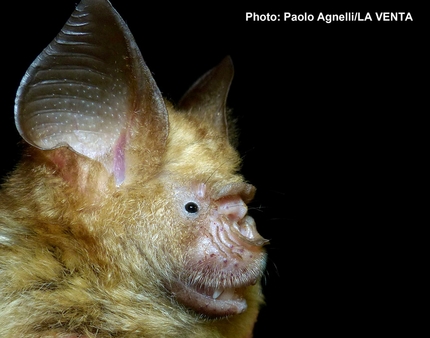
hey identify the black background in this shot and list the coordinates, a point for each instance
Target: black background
(330, 124)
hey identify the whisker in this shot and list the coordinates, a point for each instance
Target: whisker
(259, 208)
(217, 168)
(246, 152)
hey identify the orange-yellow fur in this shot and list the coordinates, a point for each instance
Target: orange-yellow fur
(139, 227)
(80, 255)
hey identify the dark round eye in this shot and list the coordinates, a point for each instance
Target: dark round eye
(191, 207)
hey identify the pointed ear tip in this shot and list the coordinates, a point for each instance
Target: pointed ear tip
(227, 61)
(226, 67)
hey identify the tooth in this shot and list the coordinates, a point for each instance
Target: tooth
(217, 293)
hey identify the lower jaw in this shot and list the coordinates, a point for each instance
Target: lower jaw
(207, 305)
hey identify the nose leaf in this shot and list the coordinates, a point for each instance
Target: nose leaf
(234, 213)
(248, 230)
(233, 207)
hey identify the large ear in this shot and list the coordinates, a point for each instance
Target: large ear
(88, 87)
(208, 95)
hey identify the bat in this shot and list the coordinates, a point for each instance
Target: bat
(127, 214)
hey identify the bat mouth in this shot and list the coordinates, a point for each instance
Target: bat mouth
(211, 301)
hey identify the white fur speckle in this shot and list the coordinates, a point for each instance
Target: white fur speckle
(4, 239)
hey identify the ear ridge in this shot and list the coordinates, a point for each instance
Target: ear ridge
(208, 95)
(87, 88)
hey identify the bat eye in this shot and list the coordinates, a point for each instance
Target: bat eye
(191, 207)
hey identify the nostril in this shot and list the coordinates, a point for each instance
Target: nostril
(246, 226)
(248, 230)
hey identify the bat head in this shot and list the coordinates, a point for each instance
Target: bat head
(146, 191)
